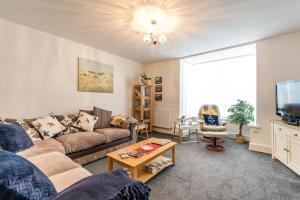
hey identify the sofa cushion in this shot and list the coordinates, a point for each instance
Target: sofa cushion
(63, 180)
(43, 146)
(14, 138)
(112, 134)
(19, 176)
(26, 124)
(85, 121)
(80, 141)
(213, 128)
(59, 163)
(104, 117)
(48, 126)
(67, 121)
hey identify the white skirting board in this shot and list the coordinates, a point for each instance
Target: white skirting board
(260, 148)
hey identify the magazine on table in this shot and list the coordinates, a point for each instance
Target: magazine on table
(156, 166)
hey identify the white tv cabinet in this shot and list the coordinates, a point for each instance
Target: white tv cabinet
(286, 144)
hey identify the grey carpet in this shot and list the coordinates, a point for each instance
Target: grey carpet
(236, 173)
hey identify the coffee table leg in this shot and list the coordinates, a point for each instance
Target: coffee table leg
(110, 164)
(174, 155)
(133, 173)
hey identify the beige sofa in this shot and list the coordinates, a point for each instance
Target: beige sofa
(59, 168)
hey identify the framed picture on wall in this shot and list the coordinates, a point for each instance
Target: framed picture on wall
(158, 88)
(158, 80)
(94, 76)
(158, 97)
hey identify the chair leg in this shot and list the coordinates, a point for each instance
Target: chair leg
(180, 136)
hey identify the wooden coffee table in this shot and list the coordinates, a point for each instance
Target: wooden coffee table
(136, 165)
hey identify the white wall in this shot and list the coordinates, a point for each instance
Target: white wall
(278, 59)
(38, 75)
(169, 70)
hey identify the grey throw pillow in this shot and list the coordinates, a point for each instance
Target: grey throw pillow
(104, 118)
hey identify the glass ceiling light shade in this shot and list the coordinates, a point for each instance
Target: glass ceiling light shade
(154, 23)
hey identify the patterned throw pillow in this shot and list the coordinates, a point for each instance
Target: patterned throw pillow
(48, 126)
(85, 121)
(67, 121)
(26, 124)
(211, 120)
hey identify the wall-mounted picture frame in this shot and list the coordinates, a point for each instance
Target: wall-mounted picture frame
(158, 88)
(158, 97)
(94, 76)
(158, 80)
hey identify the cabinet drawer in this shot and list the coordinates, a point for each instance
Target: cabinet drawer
(286, 131)
(280, 129)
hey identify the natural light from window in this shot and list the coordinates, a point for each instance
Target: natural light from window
(218, 78)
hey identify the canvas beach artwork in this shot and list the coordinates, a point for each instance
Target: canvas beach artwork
(94, 76)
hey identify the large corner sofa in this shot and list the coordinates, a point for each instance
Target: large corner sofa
(61, 158)
(84, 147)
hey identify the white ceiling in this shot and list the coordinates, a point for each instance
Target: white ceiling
(205, 25)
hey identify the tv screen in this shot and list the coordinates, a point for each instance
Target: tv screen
(288, 98)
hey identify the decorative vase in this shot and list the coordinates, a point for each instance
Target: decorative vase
(239, 139)
(148, 82)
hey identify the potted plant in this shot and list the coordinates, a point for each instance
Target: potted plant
(146, 80)
(241, 113)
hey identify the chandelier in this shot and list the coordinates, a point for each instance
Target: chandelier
(152, 38)
(153, 22)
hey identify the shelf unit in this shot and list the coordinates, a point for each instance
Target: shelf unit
(143, 105)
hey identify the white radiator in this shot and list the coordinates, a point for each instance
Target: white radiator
(162, 119)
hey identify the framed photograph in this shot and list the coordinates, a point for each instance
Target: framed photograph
(158, 80)
(94, 76)
(158, 88)
(158, 97)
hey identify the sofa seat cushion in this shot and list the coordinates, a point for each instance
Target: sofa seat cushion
(63, 180)
(213, 128)
(41, 147)
(112, 134)
(59, 163)
(80, 141)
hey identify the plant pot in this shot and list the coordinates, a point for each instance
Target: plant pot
(148, 82)
(239, 139)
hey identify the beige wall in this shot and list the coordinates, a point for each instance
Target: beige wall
(169, 70)
(278, 59)
(38, 75)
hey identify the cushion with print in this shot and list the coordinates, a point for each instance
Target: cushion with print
(48, 126)
(85, 121)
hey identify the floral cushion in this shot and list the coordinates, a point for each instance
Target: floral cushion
(48, 126)
(26, 124)
(85, 121)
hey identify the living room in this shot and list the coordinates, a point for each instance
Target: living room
(109, 77)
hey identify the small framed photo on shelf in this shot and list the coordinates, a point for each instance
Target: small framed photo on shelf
(158, 80)
(158, 88)
(158, 97)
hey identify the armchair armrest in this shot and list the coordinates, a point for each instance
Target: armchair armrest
(223, 122)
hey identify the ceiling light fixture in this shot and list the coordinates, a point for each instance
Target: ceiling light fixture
(152, 38)
(154, 23)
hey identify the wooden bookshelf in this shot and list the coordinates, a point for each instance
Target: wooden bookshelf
(143, 105)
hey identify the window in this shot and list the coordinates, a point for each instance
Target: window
(218, 78)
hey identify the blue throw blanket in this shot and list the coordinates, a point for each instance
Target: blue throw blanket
(110, 186)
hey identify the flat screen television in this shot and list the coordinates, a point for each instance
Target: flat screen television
(288, 100)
